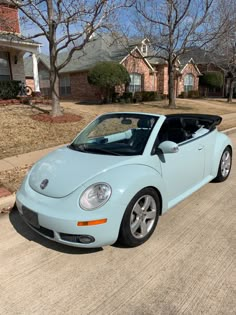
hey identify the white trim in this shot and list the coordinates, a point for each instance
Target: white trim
(35, 73)
(191, 61)
(130, 54)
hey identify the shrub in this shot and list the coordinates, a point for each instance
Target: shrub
(189, 94)
(107, 75)
(149, 96)
(146, 96)
(115, 97)
(183, 94)
(193, 94)
(127, 96)
(212, 79)
(9, 89)
(138, 97)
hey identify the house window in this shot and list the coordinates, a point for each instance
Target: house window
(65, 85)
(135, 82)
(43, 74)
(144, 49)
(188, 82)
(44, 82)
(5, 73)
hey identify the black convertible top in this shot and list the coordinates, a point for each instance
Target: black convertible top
(210, 121)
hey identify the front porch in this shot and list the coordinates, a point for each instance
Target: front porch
(13, 48)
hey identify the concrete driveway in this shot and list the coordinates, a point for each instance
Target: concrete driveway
(187, 267)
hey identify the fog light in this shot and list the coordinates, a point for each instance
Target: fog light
(86, 239)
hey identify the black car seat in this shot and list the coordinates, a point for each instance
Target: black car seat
(140, 135)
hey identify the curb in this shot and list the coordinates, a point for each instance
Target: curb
(7, 203)
(229, 131)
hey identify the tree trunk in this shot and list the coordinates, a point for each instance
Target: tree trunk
(231, 90)
(171, 85)
(56, 109)
(54, 76)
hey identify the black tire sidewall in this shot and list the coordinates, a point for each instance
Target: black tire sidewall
(125, 236)
(220, 177)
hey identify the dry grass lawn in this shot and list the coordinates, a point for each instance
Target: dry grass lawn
(21, 134)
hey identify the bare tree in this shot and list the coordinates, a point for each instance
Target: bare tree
(66, 24)
(172, 26)
(225, 46)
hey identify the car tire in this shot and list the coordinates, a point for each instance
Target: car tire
(140, 218)
(224, 165)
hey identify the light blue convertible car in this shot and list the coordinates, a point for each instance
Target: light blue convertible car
(120, 174)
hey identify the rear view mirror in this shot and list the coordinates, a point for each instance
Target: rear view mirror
(126, 121)
(168, 147)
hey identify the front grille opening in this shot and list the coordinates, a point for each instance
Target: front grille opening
(44, 231)
(73, 238)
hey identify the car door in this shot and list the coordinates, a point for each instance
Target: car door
(183, 170)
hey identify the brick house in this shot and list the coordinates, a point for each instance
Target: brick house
(13, 46)
(208, 62)
(146, 74)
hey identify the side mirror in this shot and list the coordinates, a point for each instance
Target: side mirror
(168, 147)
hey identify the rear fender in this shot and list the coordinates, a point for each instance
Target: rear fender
(222, 141)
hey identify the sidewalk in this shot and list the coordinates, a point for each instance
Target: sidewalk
(24, 159)
(31, 157)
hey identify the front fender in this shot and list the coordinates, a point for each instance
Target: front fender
(222, 141)
(127, 180)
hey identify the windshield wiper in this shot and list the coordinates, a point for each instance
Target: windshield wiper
(77, 147)
(83, 147)
(100, 150)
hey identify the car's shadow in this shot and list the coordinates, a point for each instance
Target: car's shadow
(22, 228)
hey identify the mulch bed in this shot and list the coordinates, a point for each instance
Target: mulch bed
(65, 118)
(9, 102)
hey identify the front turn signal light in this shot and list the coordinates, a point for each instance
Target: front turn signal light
(94, 222)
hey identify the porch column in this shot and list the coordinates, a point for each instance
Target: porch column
(35, 73)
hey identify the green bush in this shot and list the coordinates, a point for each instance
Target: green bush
(138, 97)
(193, 94)
(189, 94)
(107, 75)
(127, 95)
(183, 94)
(115, 97)
(213, 79)
(146, 96)
(9, 89)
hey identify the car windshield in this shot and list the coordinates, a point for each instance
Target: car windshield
(116, 134)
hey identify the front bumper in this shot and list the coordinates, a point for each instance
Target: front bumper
(57, 219)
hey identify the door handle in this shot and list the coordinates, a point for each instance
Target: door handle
(200, 147)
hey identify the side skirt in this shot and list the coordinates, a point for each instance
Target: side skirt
(189, 192)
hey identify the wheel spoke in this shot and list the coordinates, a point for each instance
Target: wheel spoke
(137, 209)
(225, 164)
(147, 203)
(135, 225)
(150, 215)
(143, 228)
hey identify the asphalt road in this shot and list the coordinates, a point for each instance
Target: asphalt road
(187, 267)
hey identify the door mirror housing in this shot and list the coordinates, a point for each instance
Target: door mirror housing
(168, 147)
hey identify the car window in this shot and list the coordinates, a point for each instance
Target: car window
(179, 129)
(116, 134)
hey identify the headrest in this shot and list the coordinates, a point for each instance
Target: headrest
(144, 123)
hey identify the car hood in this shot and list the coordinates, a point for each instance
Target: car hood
(61, 172)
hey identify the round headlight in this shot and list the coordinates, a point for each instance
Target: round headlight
(95, 196)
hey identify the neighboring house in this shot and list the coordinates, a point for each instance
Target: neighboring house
(13, 47)
(208, 62)
(146, 74)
